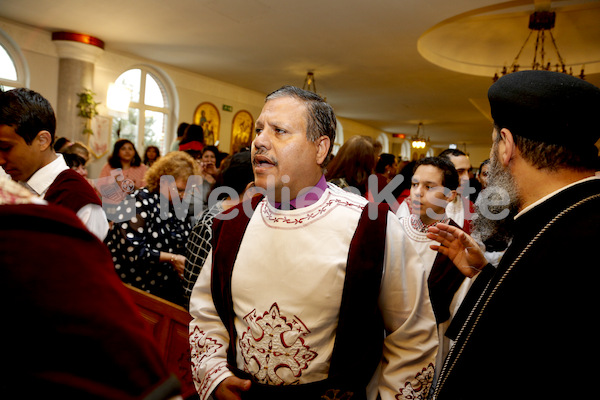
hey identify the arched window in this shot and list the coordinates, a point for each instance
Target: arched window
(385, 142)
(13, 68)
(405, 151)
(151, 116)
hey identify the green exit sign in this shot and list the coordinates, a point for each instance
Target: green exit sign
(227, 108)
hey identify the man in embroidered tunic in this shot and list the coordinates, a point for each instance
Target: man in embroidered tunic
(459, 209)
(433, 186)
(301, 287)
(544, 158)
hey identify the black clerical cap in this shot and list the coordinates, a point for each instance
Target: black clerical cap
(546, 106)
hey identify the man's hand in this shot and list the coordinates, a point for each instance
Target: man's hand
(231, 388)
(459, 247)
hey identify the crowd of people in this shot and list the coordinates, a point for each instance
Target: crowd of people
(310, 275)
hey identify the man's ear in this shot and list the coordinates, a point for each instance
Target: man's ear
(507, 148)
(44, 140)
(322, 143)
(451, 196)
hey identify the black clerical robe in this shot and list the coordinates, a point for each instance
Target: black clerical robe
(530, 332)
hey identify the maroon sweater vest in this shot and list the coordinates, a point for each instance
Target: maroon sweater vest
(72, 191)
(71, 328)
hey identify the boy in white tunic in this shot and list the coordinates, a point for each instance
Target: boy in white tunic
(434, 184)
(305, 292)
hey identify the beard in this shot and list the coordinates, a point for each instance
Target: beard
(496, 206)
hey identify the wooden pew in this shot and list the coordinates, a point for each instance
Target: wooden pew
(169, 323)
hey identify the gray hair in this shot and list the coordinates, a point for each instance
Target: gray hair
(320, 117)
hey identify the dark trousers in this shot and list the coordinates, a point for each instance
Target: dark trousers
(322, 390)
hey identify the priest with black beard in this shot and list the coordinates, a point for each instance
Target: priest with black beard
(526, 328)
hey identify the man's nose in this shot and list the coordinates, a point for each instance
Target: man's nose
(418, 191)
(262, 140)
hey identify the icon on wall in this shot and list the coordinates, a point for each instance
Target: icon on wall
(207, 116)
(241, 131)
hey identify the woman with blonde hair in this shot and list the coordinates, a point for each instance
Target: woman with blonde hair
(148, 239)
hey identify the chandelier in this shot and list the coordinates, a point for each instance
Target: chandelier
(309, 82)
(310, 85)
(541, 22)
(419, 142)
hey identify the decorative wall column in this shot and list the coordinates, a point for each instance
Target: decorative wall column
(78, 54)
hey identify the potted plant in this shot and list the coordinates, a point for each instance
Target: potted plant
(87, 109)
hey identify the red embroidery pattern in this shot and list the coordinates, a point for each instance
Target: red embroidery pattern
(418, 388)
(273, 347)
(202, 347)
(306, 218)
(210, 377)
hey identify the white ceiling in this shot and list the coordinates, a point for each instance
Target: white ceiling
(365, 54)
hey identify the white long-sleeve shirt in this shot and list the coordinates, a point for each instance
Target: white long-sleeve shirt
(92, 215)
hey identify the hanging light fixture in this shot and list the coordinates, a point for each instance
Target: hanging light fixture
(310, 84)
(541, 22)
(418, 141)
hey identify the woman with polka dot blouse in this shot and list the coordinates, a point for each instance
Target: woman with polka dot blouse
(147, 241)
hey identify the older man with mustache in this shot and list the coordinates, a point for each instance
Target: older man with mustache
(304, 296)
(527, 326)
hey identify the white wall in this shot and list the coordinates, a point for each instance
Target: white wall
(191, 88)
(40, 55)
(479, 154)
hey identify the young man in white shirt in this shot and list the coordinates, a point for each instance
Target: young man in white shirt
(27, 128)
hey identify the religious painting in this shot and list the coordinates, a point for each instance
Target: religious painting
(241, 131)
(99, 140)
(207, 116)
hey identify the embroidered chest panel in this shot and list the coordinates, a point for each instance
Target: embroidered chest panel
(273, 347)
